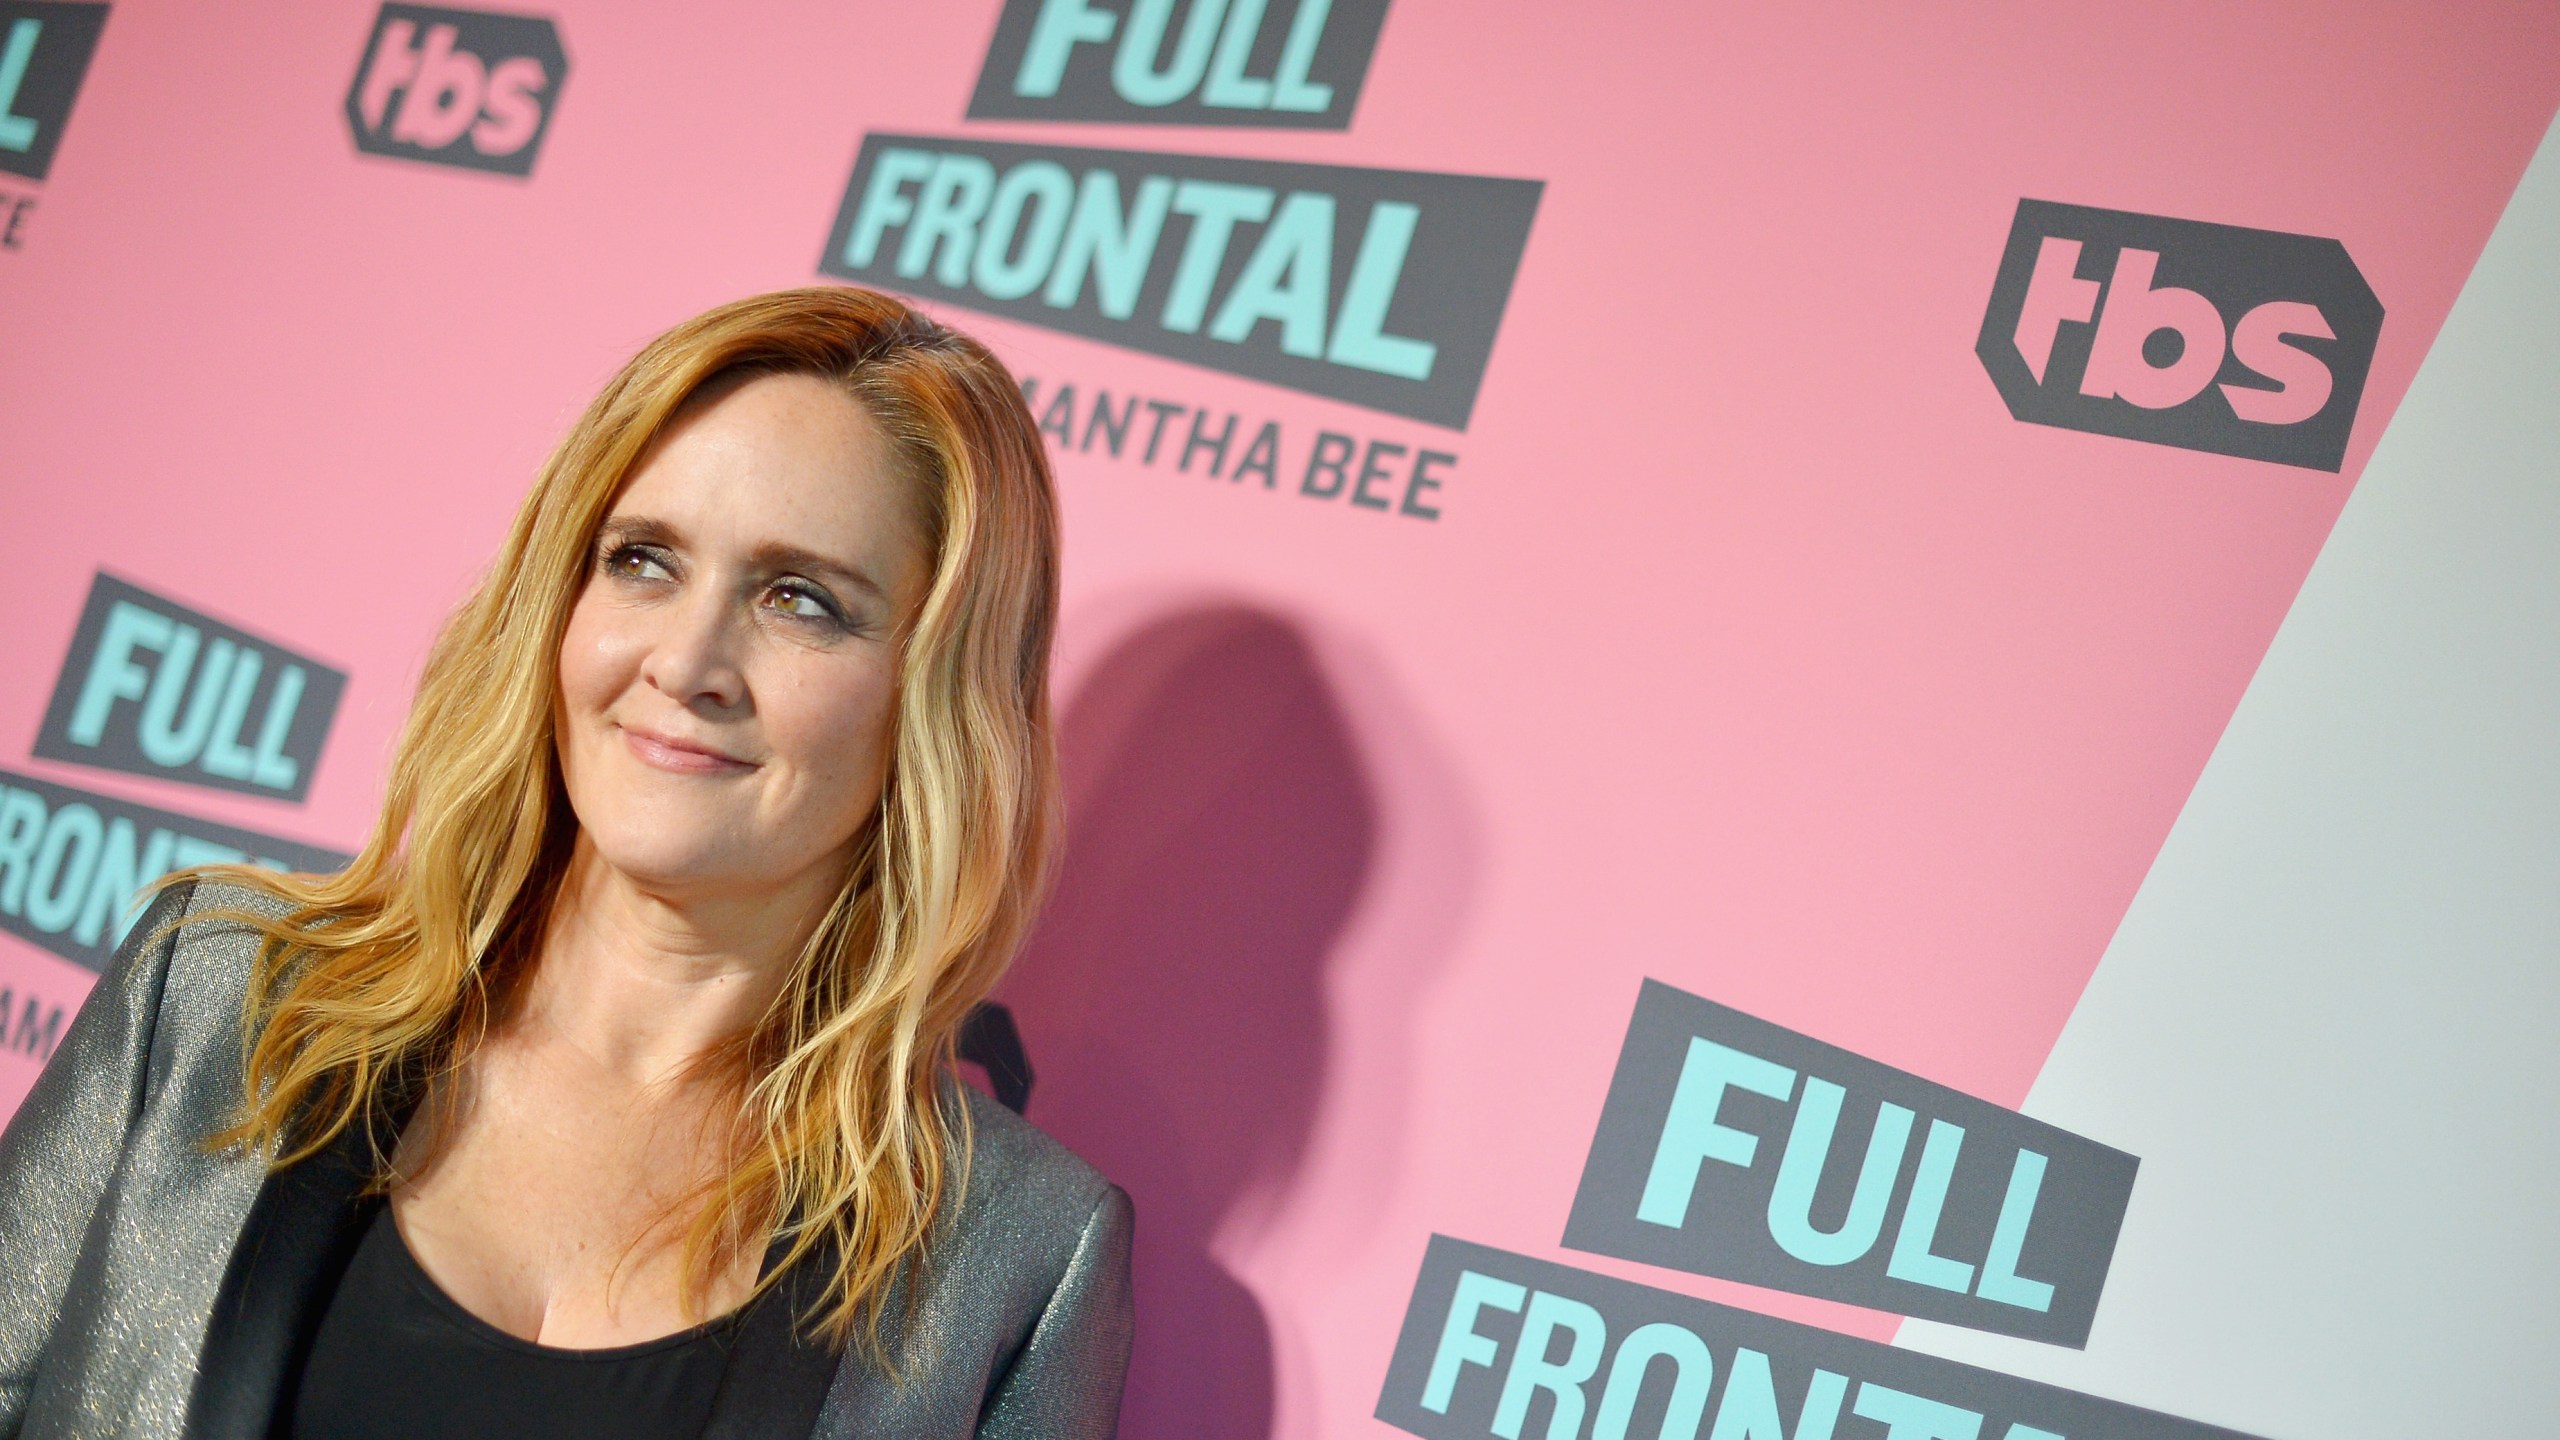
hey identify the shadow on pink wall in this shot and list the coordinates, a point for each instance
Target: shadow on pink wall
(1220, 828)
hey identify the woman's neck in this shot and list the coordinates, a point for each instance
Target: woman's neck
(643, 984)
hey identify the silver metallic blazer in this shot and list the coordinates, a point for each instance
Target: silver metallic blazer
(148, 1288)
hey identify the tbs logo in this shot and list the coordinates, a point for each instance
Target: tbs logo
(457, 87)
(2209, 337)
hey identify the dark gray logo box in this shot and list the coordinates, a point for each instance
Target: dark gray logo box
(2238, 270)
(153, 688)
(1463, 248)
(72, 863)
(1284, 64)
(483, 41)
(52, 44)
(1591, 1335)
(2060, 1227)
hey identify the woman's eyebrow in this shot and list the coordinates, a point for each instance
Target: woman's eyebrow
(638, 529)
(777, 556)
(773, 555)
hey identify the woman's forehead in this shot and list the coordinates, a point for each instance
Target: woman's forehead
(778, 463)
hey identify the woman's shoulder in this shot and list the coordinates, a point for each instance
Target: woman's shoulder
(204, 962)
(207, 893)
(1030, 1195)
(202, 899)
(1020, 1320)
(1016, 1163)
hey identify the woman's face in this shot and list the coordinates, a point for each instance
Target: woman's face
(730, 669)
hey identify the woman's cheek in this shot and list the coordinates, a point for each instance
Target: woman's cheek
(587, 658)
(860, 731)
(619, 643)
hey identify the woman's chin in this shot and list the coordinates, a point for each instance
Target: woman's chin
(675, 872)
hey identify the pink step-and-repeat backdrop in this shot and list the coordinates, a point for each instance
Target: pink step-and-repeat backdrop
(1645, 586)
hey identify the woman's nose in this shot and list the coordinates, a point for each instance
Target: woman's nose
(693, 657)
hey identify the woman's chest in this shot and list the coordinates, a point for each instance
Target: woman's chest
(561, 1213)
(395, 1358)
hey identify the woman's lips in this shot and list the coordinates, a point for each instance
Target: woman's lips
(679, 756)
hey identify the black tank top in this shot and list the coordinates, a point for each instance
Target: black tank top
(395, 1358)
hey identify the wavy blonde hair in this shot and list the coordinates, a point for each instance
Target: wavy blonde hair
(398, 962)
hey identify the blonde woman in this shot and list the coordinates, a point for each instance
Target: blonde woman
(608, 1092)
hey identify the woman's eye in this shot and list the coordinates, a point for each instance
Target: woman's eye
(634, 562)
(801, 603)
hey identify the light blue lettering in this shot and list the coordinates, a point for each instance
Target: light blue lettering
(1133, 70)
(1912, 1259)
(1531, 1370)
(1359, 331)
(2000, 1279)
(1062, 25)
(65, 858)
(1214, 209)
(112, 674)
(114, 880)
(224, 755)
(1690, 1134)
(1749, 1409)
(885, 204)
(1800, 1174)
(1289, 87)
(1116, 248)
(1460, 1345)
(21, 825)
(1693, 1371)
(1044, 182)
(1229, 88)
(1289, 279)
(275, 769)
(17, 132)
(947, 215)
(175, 682)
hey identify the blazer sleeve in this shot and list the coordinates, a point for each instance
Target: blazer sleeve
(1064, 1384)
(62, 1147)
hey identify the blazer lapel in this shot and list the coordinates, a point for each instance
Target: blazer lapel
(298, 1237)
(777, 1376)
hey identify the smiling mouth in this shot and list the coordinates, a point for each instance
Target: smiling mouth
(663, 753)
